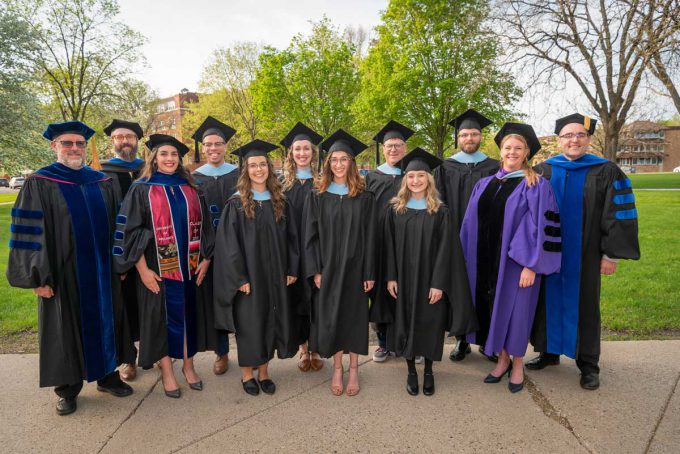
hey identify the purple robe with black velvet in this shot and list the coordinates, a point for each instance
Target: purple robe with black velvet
(508, 226)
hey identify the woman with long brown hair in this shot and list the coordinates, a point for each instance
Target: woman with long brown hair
(256, 259)
(339, 243)
(299, 174)
(160, 230)
(510, 236)
(429, 287)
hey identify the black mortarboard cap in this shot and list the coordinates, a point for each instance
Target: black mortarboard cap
(418, 159)
(587, 122)
(156, 140)
(526, 131)
(132, 126)
(393, 130)
(301, 132)
(211, 126)
(255, 148)
(343, 141)
(54, 130)
(470, 119)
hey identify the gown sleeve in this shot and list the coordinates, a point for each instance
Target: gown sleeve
(132, 234)
(440, 182)
(619, 223)
(536, 243)
(229, 270)
(370, 226)
(312, 251)
(389, 247)
(207, 230)
(293, 240)
(29, 265)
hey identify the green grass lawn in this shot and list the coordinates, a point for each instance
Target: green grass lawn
(655, 180)
(642, 300)
(11, 197)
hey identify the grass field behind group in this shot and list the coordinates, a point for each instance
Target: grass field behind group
(642, 300)
(655, 180)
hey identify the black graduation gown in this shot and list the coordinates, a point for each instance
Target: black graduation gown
(419, 256)
(138, 239)
(216, 191)
(603, 234)
(122, 178)
(261, 252)
(339, 244)
(384, 187)
(301, 291)
(455, 182)
(40, 206)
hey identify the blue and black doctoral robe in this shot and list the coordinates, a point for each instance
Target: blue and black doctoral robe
(62, 227)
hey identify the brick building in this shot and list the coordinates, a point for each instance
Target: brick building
(168, 116)
(646, 146)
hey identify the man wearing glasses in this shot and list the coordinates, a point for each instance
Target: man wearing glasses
(60, 246)
(123, 170)
(456, 178)
(598, 227)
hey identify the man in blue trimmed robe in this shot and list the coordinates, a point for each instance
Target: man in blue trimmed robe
(62, 225)
(598, 226)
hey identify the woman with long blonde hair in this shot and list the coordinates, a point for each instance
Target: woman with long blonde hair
(299, 173)
(421, 272)
(256, 259)
(339, 257)
(510, 237)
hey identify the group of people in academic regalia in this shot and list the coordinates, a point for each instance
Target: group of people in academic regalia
(496, 253)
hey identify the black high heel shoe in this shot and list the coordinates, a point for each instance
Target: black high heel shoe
(493, 379)
(197, 386)
(515, 387)
(174, 393)
(412, 384)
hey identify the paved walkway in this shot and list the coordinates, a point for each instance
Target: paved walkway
(636, 410)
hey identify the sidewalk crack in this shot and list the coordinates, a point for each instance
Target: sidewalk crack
(662, 413)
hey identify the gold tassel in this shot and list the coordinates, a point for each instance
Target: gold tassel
(95, 156)
(586, 123)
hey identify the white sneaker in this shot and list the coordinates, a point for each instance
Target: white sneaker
(380, 355)
(419, 360)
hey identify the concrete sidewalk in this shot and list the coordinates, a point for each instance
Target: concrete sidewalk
(636, 410)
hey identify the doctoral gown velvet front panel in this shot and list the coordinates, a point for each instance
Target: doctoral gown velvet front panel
(54, 264)
(419, 256)
(528, 238)
(138, 240)
(216, 191)
(261, 252)
(340, 245)
(603, 234)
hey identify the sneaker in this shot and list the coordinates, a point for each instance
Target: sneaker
(419, 360)
(380, 355)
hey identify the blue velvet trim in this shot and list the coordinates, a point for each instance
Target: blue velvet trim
(214, 209)
(117, 250)
(623, 199)
(26, 214)
(622, 184)
(180, 310)
(118, 235)
(30, 245)
(121, 219)
(163, 179)
(132, 165)
(626, 214)
(84, 175)
(216, 222)
(26, 229)
(92, 245)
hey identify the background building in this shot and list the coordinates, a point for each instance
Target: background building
(645, 146)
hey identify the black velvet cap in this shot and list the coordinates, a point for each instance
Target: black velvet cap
(156, 140)
(526, 131)
(255, 148)
(343, 141)
(54, 130)
(301, 132)
(393, 130)
(470, 119)
(132, 126)
(587, 122)
(418, 159)
(212, 126)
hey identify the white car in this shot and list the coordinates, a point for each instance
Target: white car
(16, 182)
(676, 170)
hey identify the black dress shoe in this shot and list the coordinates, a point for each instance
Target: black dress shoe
(542, 361)
(196, 386)
(66, 405)
(492, 357)
(412, 384)
(116, 388)
(428, 384)
(251, 387)
(515, 387)
(493, 379)
(174, 394)
(268, 386)
(590, 381)
(461, 349)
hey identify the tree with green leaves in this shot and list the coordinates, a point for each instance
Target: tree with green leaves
(432, 60)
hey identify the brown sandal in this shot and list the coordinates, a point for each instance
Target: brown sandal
(304, 364)
(316, 362)
(335, 389)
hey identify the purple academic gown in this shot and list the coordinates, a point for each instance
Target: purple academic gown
(529, 238)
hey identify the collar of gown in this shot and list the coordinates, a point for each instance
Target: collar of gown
(417, 204)
(338, 189)
(469, 158)
(389, 170)
(211, 171)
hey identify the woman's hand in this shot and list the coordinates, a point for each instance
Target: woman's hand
(526, 279)
(392, 288)
(44, 292)
(245, 288)
(368, 285)
(317, 280)
(202, 270)
(435, 295)
(149, 278)
(290, 280)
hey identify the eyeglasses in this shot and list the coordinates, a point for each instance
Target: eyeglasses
(122, 137)
(343, 160)
(393, 146)
(255, 166)
(71, 143)
(471, 134)
(571, 135)
(213, 144)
